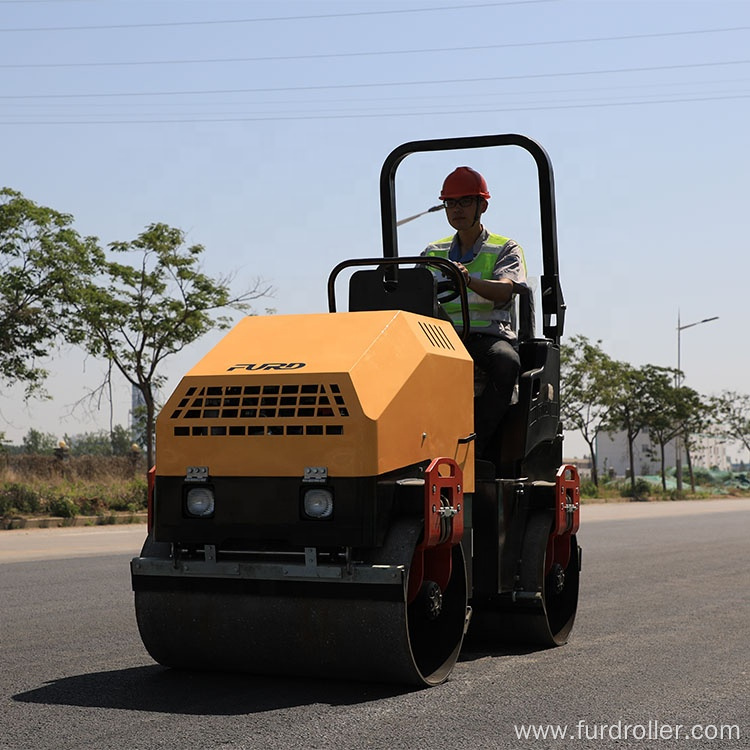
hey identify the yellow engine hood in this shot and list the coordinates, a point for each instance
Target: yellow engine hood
(360, 393)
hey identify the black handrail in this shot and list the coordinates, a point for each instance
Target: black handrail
(447, 266)
(553, 305)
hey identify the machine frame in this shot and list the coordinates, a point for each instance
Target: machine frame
(418, 552)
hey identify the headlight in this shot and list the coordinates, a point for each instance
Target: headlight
(318, 504)
(200, 502)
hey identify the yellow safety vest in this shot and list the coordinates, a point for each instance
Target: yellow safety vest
(482, 312)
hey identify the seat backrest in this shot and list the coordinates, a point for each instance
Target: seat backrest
(523, 316)
(533, 421)
(414, 291)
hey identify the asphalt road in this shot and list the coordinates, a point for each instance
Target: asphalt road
(662, 636)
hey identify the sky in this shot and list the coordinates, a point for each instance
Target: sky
(259, 128)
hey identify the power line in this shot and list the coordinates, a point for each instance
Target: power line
(319, 87)
(438, 99)
(374, 53)
(275, 18)
(432, 107)
(379, 114)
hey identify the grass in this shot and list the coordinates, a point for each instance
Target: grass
(618, 490)
(77, 486)
(100, 486)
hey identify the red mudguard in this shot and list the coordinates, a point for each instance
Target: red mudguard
(443, 526)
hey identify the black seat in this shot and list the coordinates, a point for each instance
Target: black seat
(413, 291)
(525, 324)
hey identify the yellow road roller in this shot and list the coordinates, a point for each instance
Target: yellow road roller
(316, 507)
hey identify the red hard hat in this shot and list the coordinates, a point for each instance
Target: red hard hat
(464, 181)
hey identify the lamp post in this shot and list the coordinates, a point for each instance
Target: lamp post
(678, 378)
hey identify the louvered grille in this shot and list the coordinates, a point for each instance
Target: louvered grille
(436, 335)
(245, 408)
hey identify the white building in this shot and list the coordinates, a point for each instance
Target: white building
(612, 454)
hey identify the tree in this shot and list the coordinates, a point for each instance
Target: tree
(141, 435)
(118, 442)
(629, 406)
(37, 442)
(732, 416)
(39, 252)
(121, 440)
(644, 398)
(586, 379)
(672, 411)
(695, 417)
(135, 316)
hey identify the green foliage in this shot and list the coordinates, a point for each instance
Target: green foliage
(715, 478)
(64, 507)
(16, 497)
(589, 489)
(121, 440)
(89, 443)
(68, 499)
(732, 416)
(587, 377)
(40, 443)
(55, 283)
(627, 407)
(598, 394)
(672, 411)
(637, 490)
(39, 254)
(135, 316)
(80, 486)
(142, 436)
(101, 443)
(131, 496)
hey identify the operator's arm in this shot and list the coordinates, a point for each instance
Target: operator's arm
(509, 276)
(496, 290)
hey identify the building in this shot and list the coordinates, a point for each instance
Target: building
(582, 464)
(612, 454)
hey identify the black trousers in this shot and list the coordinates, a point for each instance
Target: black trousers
(499, 359)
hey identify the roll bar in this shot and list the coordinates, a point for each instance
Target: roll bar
(553, 305)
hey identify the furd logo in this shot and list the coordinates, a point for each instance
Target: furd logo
(268, 366)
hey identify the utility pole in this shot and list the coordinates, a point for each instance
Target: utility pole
(678, 383)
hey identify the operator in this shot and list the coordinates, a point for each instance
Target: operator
(494, 269)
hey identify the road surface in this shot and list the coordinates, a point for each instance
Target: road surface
(659, 653)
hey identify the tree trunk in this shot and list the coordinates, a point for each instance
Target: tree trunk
(690, 466)
(663, 473)
(148, 397)
(592, 456)
(631, 439)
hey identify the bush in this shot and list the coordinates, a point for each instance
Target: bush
(88, 486)
(19, 498)
(63, 507)
(589, 489)
(642, 489)
(701, 476)
(129, 496)
(91, 468)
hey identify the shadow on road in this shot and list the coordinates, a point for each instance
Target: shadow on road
(155, 688)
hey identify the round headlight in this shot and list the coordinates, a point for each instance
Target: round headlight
(318, 503)
(200, 502)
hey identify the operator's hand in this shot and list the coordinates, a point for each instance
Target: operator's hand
(464, 271)
(496, 290)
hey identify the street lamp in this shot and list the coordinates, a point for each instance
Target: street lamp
(678, 378)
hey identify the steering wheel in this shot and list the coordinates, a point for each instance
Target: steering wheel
(447, 290)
